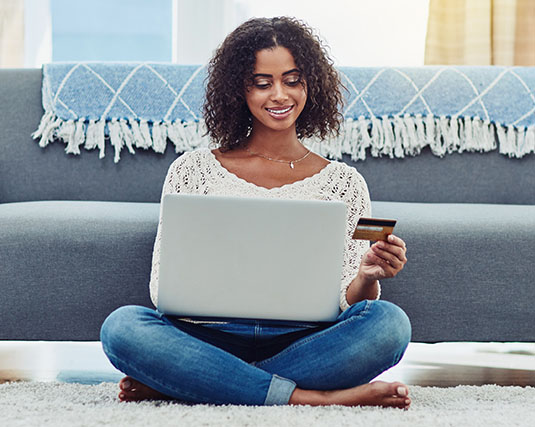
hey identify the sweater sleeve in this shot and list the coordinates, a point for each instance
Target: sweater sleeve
(356, 195)
(178, 180)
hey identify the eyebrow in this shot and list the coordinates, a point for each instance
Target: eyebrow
(293, 70)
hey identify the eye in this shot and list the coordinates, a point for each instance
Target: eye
(293, 81)
(261, 83)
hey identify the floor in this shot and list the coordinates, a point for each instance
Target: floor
(441, 365)
(452, 364)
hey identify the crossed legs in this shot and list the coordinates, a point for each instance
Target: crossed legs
(332, 366)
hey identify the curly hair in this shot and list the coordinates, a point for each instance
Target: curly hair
(227, 117)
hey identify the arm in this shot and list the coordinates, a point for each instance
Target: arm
(383, 260)
(176, 181)
(364, 266)
(361, 288)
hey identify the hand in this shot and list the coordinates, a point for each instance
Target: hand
(383, 259)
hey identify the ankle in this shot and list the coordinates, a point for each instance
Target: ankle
(309, 397)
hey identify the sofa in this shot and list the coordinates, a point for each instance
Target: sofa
(77, 232)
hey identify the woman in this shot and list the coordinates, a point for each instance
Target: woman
(270, 84)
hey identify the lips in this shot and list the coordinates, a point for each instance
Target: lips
(280, 112)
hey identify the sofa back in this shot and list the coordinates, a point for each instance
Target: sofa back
(28, 172)
(456, 178)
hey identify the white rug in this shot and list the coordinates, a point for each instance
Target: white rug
(62, 404)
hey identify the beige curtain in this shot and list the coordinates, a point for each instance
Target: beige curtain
(11, 33)
(481, 32)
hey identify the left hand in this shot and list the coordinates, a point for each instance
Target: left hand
(384, 259)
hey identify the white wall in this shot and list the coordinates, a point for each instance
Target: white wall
(359, 32)
(200, 26)
(37, 33)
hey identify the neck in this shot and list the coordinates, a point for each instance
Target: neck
(275, 144)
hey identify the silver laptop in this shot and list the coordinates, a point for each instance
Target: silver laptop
(251, 257)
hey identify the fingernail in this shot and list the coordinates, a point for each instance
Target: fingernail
(121, 396)
(127, 384)
(402, 391)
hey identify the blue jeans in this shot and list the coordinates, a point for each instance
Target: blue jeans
(254, 362)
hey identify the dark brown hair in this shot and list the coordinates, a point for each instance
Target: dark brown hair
(226, 114)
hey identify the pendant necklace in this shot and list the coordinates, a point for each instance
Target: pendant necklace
(290, 162)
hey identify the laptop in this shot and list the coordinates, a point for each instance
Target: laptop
(251, 257)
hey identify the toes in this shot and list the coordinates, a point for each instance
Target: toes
(132, 390)
(390, 389)
(395, 395)
(134, 395)
(129, 390)
(402, 391)
(399, 397)
(127, 383)
(396, 402)
(126, 396)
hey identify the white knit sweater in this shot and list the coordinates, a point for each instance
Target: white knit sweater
(199, 172)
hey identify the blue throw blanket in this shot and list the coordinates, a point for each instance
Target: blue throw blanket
(388, 111)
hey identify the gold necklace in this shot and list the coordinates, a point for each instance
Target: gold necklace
(290, 162)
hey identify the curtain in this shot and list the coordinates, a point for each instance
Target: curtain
(481, 32)
(11, 33)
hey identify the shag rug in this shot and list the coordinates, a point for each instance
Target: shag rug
(63, 404)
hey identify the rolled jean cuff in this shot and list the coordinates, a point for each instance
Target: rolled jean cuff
(280, 390)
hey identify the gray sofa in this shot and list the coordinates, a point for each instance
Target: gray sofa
(76, 233)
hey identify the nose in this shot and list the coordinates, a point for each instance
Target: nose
(278, 93)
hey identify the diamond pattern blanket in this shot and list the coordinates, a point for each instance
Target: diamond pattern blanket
(389, 111)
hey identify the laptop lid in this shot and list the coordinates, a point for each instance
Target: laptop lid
(251, 257)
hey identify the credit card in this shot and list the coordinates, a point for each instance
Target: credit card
(374, 229)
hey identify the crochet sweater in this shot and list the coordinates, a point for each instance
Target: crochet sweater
(199, 172)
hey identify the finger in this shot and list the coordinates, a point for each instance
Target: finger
(376, 256)
(389, 258)
(399, 251)
(393, 254)
(388, 269)
(395, 240)
(389, 247)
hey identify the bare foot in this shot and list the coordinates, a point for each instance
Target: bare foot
(378, 393)
(134, 391)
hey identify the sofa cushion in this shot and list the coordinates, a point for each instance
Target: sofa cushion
(470, 268)
(67, 265)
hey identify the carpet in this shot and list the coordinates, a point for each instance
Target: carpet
(62, 404)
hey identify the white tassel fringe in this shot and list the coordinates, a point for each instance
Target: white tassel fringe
(386, 136)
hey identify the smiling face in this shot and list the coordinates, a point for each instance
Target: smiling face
(278, 92)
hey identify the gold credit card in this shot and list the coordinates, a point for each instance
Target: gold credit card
(374, 229)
